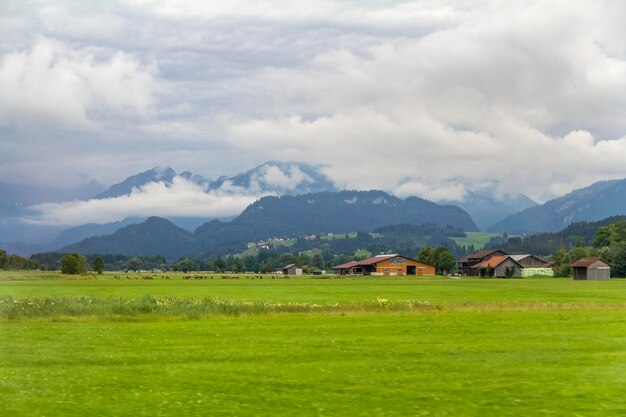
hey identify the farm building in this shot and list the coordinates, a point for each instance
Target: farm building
(533, 265)
(393, 264)
(466, 263)
(591, 269)
(500, 266)
(292, 269)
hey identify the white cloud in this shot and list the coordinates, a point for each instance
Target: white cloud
(451, 192)
(182, 198)
(52, 82)
(274, 177)
(406, 96)
(523, 93)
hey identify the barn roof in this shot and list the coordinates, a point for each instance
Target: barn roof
(291, 266)
(377, 258)
(373, 260)
(585, 262)
(494, 261)
(528, 255)
(480, 254)
(346, 265)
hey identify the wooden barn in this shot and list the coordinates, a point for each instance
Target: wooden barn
(385, 265)
(292, 269)
(533, 265)
(466, 263)
(591, 269)
(501, 266)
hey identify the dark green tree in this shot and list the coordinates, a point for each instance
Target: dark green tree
(238, 267)
(134, 264)
(317, 260)
(98, 264)
(74, 263)
(426, 255)
(184, 265)
(444, 260)
(219, 265)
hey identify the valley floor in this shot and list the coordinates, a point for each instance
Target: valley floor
(361, 346)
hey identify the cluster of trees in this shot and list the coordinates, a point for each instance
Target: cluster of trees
(74, 263)
(548, 243)
(263, 262)
(51, 261)
(16, 262)
(440, 257)
(608, 243)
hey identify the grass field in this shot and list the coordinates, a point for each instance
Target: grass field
(478, 239)
(318, 347)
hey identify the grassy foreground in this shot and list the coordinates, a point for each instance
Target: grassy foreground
(360, 347)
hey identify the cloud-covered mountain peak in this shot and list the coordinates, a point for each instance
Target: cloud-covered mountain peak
(277, 177)
(156, 174)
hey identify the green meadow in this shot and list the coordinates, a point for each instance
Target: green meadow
(310, 346)
(476, 239)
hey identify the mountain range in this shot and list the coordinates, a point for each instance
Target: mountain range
(514, 213)
(547, 243)
(595, 202)
(273, 177)
(284, 216)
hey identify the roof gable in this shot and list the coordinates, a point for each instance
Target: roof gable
(587, 262)
(374, 260)
(494, 261)
(520, 258)
(481, 254)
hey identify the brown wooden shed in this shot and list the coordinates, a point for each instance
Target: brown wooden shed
(591, 269)
(292, 269)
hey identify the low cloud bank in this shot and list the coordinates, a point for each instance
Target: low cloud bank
(181, 198)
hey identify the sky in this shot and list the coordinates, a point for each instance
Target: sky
(427, 98)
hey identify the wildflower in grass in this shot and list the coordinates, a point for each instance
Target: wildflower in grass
(382, 302)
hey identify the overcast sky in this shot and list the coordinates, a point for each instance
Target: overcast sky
(426, 98)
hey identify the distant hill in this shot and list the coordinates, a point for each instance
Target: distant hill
(595, 202)
(339, 212)
(78, 233)
(345, 211)
(325, 212)
(155, 236)
(548, 243)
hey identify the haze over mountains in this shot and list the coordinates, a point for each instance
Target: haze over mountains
(24, 228)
